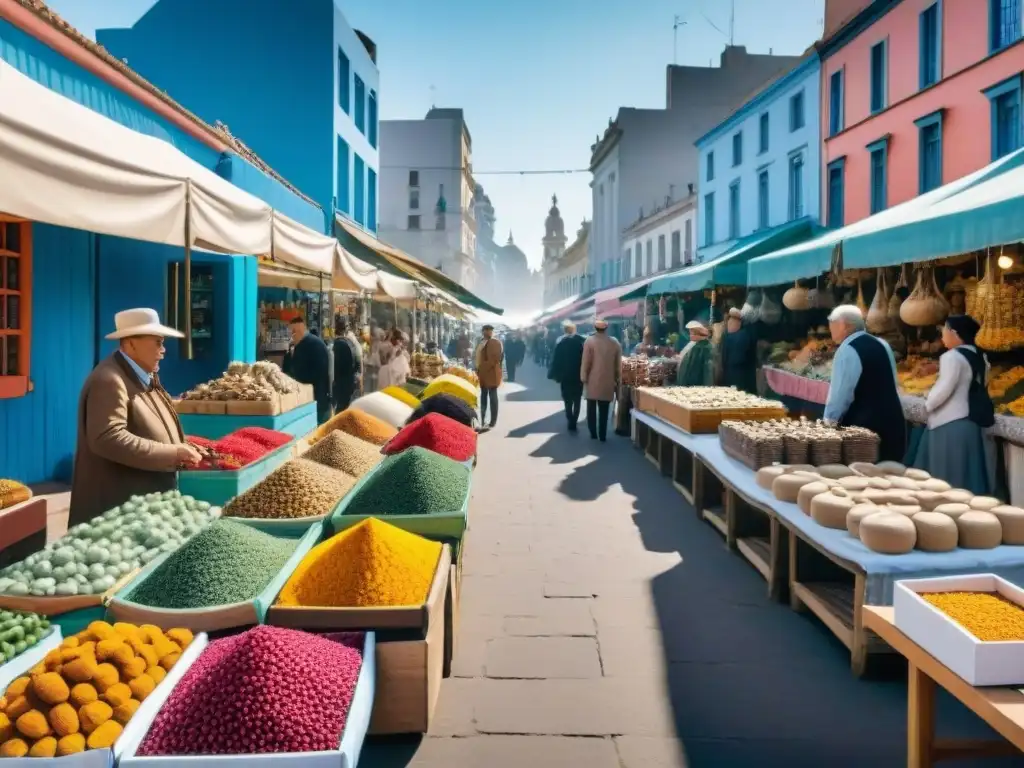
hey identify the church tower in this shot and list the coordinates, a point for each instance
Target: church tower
(554, 233)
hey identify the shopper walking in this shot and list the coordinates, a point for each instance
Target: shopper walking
(566, 365)
(488, 359)
(347, 364)
(307, 362)
(515, 354)
(599, 373)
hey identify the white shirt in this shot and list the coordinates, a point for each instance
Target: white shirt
(947, 400)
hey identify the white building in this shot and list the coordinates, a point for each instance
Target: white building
(647, 155)
(566, 272)
(662, 240)
(426, 192)
(759, 166)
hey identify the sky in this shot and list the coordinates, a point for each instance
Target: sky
(538, 80)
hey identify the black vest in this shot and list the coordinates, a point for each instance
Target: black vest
(876, 399)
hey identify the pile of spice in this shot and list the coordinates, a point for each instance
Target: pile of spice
(402, 396)
(387, 409)
(447, 405)
(448, 384)
(358, 424)
(238, 449)
(370, 565)
(263, 691)
(414, 387)
(436, 433)
(343, 452)
(416, 481)
(988, 616)
(298, 488)
(84, 692)
(229, 562)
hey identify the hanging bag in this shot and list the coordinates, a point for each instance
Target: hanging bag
(979, 405)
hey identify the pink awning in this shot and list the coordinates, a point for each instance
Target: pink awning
(608, 300)
(620, 311)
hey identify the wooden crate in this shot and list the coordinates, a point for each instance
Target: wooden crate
(646, 401)
(270, 407)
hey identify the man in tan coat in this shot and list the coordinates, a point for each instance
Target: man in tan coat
(129, 438)
(489, 356)
(602, 363)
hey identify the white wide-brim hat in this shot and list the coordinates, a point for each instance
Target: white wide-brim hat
(141, 322)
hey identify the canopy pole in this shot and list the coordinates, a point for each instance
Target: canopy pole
(188, 271)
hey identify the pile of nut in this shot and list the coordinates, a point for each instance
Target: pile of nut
(261, 380)
(714, 398)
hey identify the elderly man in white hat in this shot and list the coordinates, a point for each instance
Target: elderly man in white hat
(696, 362)
(129, 438)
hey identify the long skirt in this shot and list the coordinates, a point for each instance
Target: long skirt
(955, 452)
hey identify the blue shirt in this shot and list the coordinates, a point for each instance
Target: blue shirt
(846, 371)
(145, 378)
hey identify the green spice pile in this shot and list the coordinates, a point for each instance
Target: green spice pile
(298, 488)
(416, 481)
(341, 451)
(228, 562)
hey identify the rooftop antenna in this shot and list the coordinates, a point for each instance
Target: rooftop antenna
(677, 22)
(732, 22)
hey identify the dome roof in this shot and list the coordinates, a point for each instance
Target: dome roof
(554, 227)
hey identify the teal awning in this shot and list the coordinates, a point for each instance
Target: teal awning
(731, 267)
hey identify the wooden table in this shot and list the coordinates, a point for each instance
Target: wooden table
(1001, 708)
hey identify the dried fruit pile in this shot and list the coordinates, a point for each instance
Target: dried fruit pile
(436, 433)
(414, 482)
(358, 424)
(341, 451)
(298, 488)
(13, 492)
(260, 381)
(84, 692)
(372, 564)
(238, 449)
(229, 562)
(263, 691)
(19, 632)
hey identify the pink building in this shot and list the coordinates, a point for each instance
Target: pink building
(916, 93)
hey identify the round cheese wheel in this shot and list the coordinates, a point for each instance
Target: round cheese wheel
(1012, 521)
(857, 515)
(951, 509)
(934, 484)
(866, 469)
(903, 483)
(853, 483)
(905, 509)
(869, 494)
(899, 498)
(956, 496)
(829, 509)
(787, 487)
(808, 473)
(834, 471)
(888, 533)
(800, 467)
(984, 503)
(935, 532)
(766, 476)
(917, 474)
(880, 483)
(979, 530)
(928, 500)
(892, 468)
(808, 492)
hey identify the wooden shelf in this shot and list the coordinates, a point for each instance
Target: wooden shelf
(758, 551)
(716, 516)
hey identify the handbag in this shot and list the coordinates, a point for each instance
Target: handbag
(979, 405)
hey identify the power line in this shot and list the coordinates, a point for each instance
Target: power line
(505, 172)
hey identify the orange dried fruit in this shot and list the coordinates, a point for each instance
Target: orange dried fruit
(93, 715)
(64, 719)
(71, 744)
(50, 688)
(45, 747)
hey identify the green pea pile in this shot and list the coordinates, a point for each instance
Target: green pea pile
(19, 632)
(416, 481)
(228, 562)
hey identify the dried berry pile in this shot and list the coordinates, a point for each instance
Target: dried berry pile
(358, 424)
(437, 433)
(447, 405)
(298, 488)
(228, 562)
(370, 565)
(84, 692)
(238, 449)
(346, 453)
(416, 481)
(263, 691)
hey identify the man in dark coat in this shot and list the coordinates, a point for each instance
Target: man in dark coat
(308, 363)
(347, 365)
(565, 369)
(739, 355)
(515, 354)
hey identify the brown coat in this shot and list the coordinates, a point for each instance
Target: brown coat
(127, 438)
(602, 362)
(490, 364)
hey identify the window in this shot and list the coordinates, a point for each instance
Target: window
(677, 249)
(879, 76)
(929, 139)
(762, 199)
(371, 132)
(835, 103)
(359, 93)
(737, 148)
(344, 178)
(797, 118)
(661, 253)
(359, 209)
(413, 222)
(709, 218)
(836, 182)
(1004, 22)
(629, 262)
(762, 134)
(879, 186)
(929, 46)
(344, 80)
(650, 257)
(371, 199)
(796, 187)
(734, 210)
(15, 306)
(710, 166)
(1005, 99)
(689, 242)
(414, 178)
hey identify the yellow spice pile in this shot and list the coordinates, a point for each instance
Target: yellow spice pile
(988, 616)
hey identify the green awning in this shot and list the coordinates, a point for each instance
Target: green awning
(731, 267)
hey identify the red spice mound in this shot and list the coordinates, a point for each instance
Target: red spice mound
(436, 433)
(265, 690)
(201, 442)
(268, 438)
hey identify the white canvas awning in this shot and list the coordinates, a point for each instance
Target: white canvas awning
(301, 247)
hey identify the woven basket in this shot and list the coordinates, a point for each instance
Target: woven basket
(754, 454)
(827, 450)
(796, 450)
(860, 446)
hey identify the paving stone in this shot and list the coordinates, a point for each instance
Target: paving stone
(554, 617)
(542, 657)
(454, 713)
(516, 752)
(625, 652)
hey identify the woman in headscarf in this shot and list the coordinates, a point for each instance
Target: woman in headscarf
(697, 360)
(959, 408)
